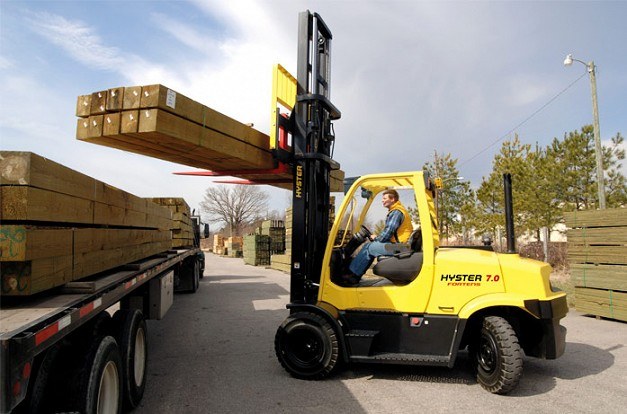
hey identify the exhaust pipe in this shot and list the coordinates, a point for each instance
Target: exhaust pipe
(509, 214)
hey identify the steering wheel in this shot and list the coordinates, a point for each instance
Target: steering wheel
(357, 240)
(363, 234)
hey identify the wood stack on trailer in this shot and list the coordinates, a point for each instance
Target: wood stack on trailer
(156, 121)
(59, 225)
(597, 254)
(182, 228)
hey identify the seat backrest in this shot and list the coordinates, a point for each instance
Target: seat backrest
(415, 240)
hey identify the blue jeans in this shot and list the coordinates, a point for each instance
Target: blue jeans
(366, 256)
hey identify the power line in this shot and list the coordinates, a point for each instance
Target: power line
(524, 121)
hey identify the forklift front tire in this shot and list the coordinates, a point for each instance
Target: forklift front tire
(307, 346)
(497, 356)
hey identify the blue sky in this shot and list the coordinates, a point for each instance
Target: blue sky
(410, 77)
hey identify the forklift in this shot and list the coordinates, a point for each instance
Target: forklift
(420, 306)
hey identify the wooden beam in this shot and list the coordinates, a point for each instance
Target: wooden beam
(599, 276)
(611, 217)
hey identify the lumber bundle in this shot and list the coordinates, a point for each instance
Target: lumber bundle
(58, 225)
(256, 249)
(158, 122)
(597, 254)
(233, 246)
(218, 244)
(181, 225)
(275, 229)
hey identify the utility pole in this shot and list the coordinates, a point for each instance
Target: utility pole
(595, 126)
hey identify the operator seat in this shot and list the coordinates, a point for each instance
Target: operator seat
(402, 268)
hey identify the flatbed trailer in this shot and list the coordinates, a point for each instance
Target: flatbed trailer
(82, 347)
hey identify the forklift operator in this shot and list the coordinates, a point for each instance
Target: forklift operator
(398, 228)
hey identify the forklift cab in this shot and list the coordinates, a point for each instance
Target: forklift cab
(348, 234)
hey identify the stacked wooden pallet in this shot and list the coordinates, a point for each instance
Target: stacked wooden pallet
(182, 229)
(597, 253)
(156, 121)
(256, 249)
(58, 225)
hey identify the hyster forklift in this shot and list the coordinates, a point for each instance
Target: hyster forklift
(422, 305)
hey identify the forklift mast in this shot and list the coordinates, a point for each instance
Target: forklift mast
(312, 151)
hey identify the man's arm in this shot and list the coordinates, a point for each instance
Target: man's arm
(392, 224)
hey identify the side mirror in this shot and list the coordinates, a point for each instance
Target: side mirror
(206, 231)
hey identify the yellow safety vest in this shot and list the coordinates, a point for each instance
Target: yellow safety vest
(405, 229)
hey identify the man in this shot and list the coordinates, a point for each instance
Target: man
(397, 229)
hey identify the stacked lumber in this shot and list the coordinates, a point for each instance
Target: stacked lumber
(233, 246)
(218, 244)
(58, 225)
(597, 254)
(182, 228)
(158, 122)
(275, 229)
(256, 249)
(283, 261)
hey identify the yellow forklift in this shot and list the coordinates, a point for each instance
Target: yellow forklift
(423, 304)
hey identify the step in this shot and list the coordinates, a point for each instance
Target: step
(399, 358)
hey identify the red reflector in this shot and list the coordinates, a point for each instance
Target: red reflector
(46, 333)
(17, 387)
(26, 370)
(415, 321)
(86, 309)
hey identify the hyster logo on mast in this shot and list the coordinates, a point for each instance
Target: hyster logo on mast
(299, 181)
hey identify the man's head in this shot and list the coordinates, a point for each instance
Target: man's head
(389, 198)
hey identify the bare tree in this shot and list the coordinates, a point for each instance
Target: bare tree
(235, 206)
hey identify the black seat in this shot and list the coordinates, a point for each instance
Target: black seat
(402, 268)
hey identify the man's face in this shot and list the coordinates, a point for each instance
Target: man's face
(387, 200)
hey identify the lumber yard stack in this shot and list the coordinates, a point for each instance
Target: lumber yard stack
(158, 122)
(59, 225)
(233, 246)
(597, 254)
(257, 249)
(283, 261)
(218, 244)
(182, 228)
(275, 229)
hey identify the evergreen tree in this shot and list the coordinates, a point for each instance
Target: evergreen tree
(452, 197)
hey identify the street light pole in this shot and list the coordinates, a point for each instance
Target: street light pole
(595, 126)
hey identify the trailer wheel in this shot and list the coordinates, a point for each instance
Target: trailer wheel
(97, 386)
(307, 346)
(39, 396)
(131, 337)
(196, 277)
(497, 356)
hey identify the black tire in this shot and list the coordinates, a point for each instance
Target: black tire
(39, 396)
(96, 383)
(496, 356)
(196, 278)
(307, 346)
(132, 340)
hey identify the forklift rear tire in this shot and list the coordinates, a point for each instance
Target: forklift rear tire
(307, 346)
(497, 356)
